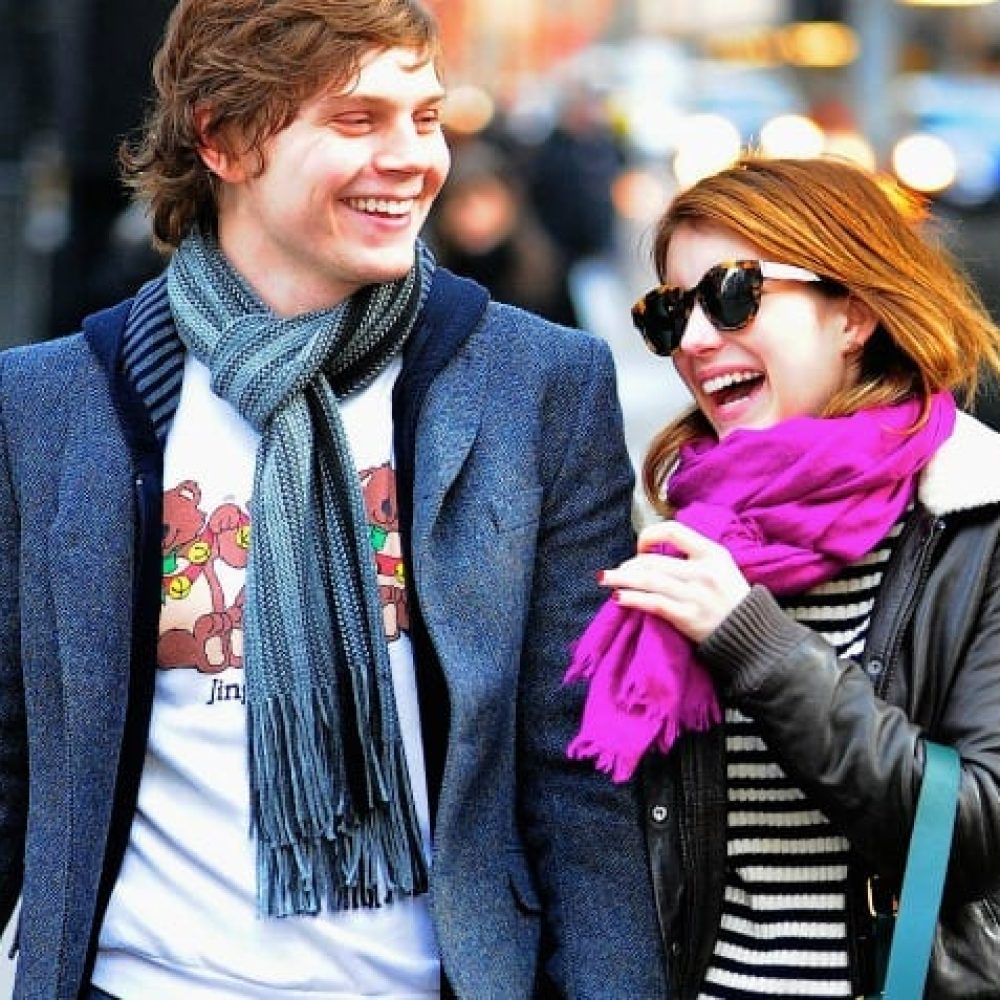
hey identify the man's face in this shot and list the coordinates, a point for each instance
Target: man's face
(345, 189)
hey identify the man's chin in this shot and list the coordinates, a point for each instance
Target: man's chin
(387, 265)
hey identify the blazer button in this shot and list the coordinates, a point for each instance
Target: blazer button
(874, 667)
(658, 814)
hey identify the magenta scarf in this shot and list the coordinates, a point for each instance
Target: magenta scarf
(793, 504)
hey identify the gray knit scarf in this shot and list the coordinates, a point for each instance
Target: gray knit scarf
(331, 807)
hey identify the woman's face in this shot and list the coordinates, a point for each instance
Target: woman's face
(789, 361)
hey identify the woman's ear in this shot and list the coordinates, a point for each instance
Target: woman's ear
(860, 323)
(216, 153)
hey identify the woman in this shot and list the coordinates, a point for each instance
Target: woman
(822, 595)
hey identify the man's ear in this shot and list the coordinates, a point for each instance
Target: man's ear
(860, 323)
(215, 153)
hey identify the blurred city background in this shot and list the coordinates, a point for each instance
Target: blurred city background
(571, 121)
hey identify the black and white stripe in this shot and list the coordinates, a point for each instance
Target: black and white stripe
(783, 931)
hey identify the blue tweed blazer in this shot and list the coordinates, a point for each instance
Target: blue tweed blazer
(521, 491)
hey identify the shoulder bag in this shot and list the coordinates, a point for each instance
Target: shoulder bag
(923, 880)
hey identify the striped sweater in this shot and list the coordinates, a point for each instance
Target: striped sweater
(783, 931)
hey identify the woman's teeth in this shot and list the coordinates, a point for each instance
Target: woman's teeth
(721, 382)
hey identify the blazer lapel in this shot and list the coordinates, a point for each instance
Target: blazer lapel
(446, 431)
(91, 584)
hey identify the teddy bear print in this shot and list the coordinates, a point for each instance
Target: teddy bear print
(200, 626)
(378, 487)
(205, 628)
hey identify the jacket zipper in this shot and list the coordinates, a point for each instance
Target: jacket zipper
(680, 957)
(140, 513)
(883, 683)
(916, 587)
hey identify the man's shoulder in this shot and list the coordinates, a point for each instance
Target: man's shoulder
(449, 291)
(44, 367)
(42, 356)
(544, 338)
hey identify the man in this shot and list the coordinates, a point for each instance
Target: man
(294, 544)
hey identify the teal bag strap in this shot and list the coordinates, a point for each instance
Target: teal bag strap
(923, 880)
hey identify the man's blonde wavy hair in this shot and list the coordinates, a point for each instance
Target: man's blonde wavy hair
(247, 66)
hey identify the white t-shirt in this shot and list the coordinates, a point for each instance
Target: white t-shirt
(182, 919)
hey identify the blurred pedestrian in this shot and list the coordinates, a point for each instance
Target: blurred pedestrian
(571, 176)
(483, 227)
(822, 596)
(293, 545)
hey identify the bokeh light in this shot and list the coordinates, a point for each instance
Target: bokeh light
(792, 135)
(639, 195)
(853, 146)
(818, 44)
(924, 162)
(707, 144)
(467, 109)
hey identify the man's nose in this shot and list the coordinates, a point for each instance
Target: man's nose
(403, 148)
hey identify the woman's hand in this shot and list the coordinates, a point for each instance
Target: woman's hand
(694, 590)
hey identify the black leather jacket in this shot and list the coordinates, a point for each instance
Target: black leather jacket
(850, 734)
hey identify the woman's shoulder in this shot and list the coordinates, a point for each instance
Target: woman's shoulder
(965, 471)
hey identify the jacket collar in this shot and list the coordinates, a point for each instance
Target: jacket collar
(109, 334)
(143, 357)
(965, 471)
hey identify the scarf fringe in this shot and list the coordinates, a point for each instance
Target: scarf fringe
(315, 846)
(640, 726)
(618, 761)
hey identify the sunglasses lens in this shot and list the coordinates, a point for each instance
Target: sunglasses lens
(730, 295)
(661, 317)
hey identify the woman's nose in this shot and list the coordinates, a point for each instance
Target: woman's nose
(699, 335)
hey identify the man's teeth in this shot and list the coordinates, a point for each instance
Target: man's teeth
(382, 206)
(724, 381)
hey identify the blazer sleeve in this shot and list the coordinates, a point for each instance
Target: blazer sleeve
(583, 833)
(13, 739)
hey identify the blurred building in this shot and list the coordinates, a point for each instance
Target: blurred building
(75, 78)
(497, 44)
(24, 86)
